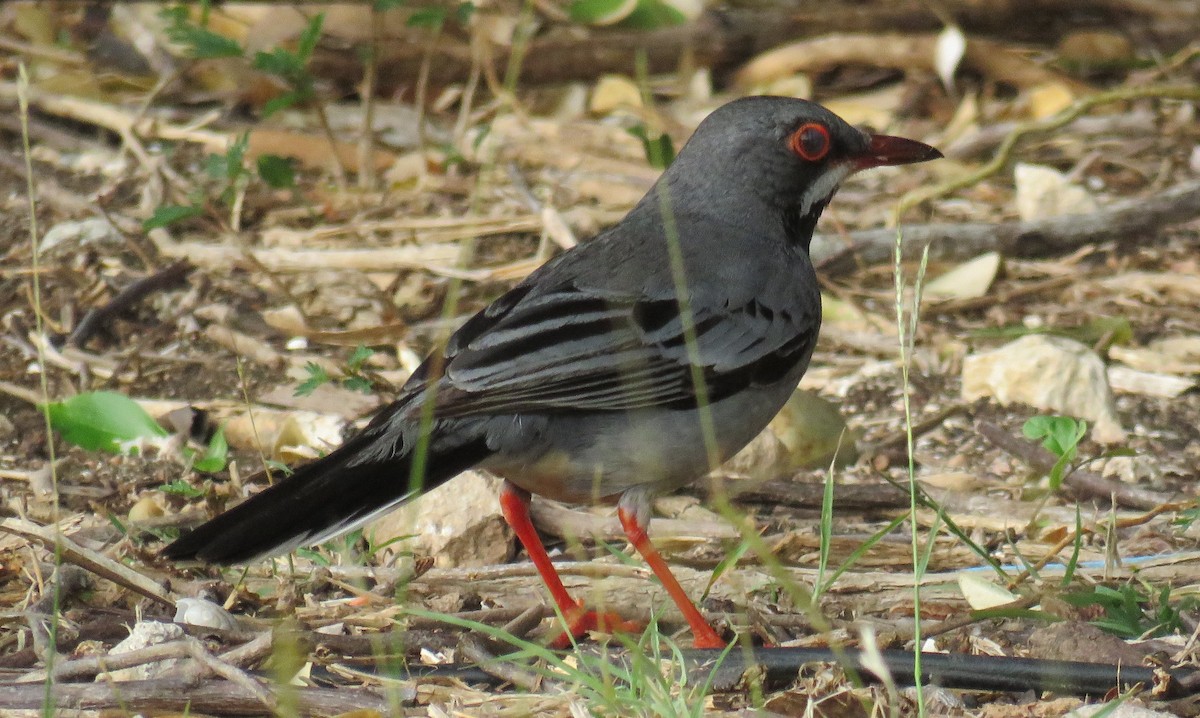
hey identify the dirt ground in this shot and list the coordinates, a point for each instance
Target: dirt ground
(263, 283)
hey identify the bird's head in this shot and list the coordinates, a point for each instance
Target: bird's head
(765, 154)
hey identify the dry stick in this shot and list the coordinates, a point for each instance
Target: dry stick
(1005, 151)
(92, 665)
(1081, 481)
(210, 697)
(1139, 121)
(97, 563)
(366, 143)
(475, 651)
(1123, 221)
(1002, 297)
(234, 674)
(966, 619)
(126, 298)
(923, 426)
(849, 497)
(527, 621)
(1071, 537)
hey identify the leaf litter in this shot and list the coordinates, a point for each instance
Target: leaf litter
(462, 217)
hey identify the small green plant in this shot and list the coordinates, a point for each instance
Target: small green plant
(291, 66)
(1060, 435)
(215, 456)
(229, 170)
(354, 377)
(180, 487)
(1134, 611)
(653, 681)
(1102, 331)
(659, 149)
(632, 14)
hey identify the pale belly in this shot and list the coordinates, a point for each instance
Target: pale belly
(595, 457)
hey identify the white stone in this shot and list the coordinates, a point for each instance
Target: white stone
(1049, 373)
(144, 635)
(457, 524)
(1045, 192)
(201, 612)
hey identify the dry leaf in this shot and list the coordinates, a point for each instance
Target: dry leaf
(1049, 99)
(982, 594)
(969, 280)
(948, 52)
(614, 92)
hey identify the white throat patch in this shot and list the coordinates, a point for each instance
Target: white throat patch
(824, 187)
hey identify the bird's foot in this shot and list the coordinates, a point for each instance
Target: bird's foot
(581, 621)
(707, 639)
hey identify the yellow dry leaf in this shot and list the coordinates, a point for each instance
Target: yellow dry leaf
(1049, 99)
(33, 22)
(614, 92)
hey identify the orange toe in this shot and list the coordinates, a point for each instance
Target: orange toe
(582, 621)
(709, 641)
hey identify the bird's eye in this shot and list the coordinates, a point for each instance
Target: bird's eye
(810, 141)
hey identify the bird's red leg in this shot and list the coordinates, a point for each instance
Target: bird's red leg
(704, 635)
(514, 502)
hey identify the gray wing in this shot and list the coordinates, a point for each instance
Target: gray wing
(570, 349)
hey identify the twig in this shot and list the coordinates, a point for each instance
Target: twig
(846, 497)
(927, 424)
(1004, 152)
(93, 665)
(966, 619)
(1073, 536)
(1139, 121)
(232, 673)
(507, 671)
(215, 697)
(527, 621)
(97, 563)
(1081, 481)
(366, 141)
(1055, 235)
(126, 298)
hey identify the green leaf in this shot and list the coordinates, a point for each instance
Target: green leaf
(279, 62)
(278, 172)
(316, 377)
(731, 559)
(104, 421)
(463, 13)
(1059, 434)
(385, 5)
(180, 487)
(200, 43)
(601, 12)
(431, 17)
(360, 355)
(309, 38)
(169, 214)
(313, 555)
(360, 384)
(284, 101)
(204, 44)
(653, 14)
(659, 149)
(216, 455)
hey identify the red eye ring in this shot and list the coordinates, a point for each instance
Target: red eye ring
(810, 141)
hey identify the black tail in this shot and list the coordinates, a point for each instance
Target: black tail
(362, 479)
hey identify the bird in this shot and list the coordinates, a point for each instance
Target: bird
(630, 365)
